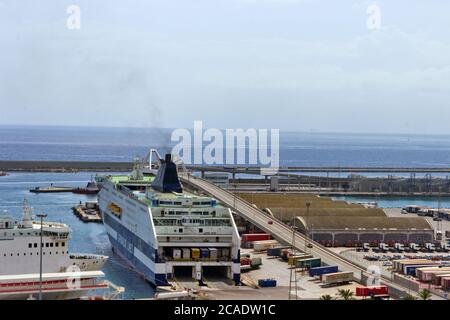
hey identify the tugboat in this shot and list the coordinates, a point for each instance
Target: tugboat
(91, 188)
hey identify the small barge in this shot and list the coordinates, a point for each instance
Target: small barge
(88, 212)
(51, 189)
(91, 188)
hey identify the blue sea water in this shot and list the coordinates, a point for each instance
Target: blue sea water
(121, 144)
(296, 149)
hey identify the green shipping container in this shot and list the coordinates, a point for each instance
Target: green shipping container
(308, 263)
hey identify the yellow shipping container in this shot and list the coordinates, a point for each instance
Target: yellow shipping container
(292, 259)
(195, 253)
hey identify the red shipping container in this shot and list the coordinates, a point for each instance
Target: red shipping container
(249, 237)
(245, 262)
(366, 291)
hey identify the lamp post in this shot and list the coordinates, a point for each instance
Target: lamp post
(308, 204)
(40, 216)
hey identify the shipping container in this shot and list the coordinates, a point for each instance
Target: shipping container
(250, 237)
(195, 253)
(410, 270)
(399, 264)
(436, 279)
(318, 271)
(371, 291)
(446, 283)
(204, 253)
(256, 262)
(246, 261)
(267, 283)
(225, 255)
(308, 263)
(274, 252)
(186, 253)
(330, 279)
(213, 253)
(264, 245)
(277, 251)
(426, 274)
(292, 259)
(176, 253)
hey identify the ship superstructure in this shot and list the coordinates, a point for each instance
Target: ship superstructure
(65, 275)
(20, 241)
(160, 229)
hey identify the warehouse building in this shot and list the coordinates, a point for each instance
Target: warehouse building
(348, 230)
(338, 223)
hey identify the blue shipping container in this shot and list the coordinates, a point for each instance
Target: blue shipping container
(318, 271)
(273, 252)
(204, 253)
(267, 283)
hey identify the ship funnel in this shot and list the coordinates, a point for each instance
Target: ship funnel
(26, 219)
(167, 177)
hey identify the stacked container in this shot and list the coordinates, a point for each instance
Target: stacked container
(186, 253)
(446, 283)
(436, 279)
(204, 253)
(195, 253)
(213, 253)
(225, 253)
(426, 274)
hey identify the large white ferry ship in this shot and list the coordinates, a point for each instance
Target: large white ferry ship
(20, 261)
(162, 230)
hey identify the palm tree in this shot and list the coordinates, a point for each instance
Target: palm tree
(326, 297)
(409, 297)
(345, 294)
(425, 294)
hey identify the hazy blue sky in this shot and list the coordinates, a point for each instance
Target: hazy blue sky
(302, 65)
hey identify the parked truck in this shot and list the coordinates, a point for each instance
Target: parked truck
(337, 278)
(414, 247)
(429, 247)
(383, 247)
(399, 247)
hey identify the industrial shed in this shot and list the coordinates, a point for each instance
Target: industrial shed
(286, 214)
(350, 230)
(338, 223)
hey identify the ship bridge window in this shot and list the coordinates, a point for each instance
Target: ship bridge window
(35, 245)
(177, 203)
(30, 245)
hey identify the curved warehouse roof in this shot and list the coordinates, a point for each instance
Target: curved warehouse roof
(286, 214)
(361, 223)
